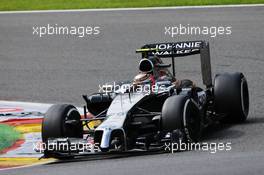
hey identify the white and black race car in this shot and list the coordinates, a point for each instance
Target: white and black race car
(154, 109)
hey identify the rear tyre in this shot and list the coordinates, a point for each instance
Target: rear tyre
(231, 96)
(181, 113)
(61, 120)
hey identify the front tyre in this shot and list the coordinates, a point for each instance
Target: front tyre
(61, 120)
(182, 114)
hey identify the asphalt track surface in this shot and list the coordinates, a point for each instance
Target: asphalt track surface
(58, 69)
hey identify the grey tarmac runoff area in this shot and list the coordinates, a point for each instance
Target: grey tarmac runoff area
(58, 69)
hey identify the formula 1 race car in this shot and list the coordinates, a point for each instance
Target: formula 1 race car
(154, 109)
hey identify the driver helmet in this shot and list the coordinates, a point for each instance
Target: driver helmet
(145, 75)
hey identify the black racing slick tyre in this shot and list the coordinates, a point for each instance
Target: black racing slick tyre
(61, 120)
(181, 113)
(231, 96)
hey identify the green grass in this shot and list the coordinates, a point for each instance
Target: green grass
(8, 136)
(88, 4)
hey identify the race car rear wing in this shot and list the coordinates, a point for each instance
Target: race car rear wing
(180, 49)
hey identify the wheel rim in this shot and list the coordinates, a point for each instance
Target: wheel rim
(72, 130)
(191, 122)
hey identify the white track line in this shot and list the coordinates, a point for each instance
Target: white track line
(132, 9)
